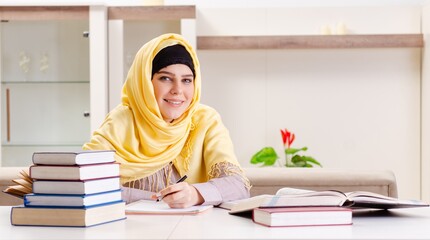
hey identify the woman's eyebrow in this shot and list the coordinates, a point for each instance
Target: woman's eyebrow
(170, 73)
(188, 75)
(166, 72)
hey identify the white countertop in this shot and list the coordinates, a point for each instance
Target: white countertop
(413, 223)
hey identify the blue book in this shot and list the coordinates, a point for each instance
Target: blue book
(71, 200)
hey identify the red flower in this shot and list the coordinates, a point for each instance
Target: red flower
(287, 137)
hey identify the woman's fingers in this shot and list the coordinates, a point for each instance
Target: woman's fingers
(179, 195)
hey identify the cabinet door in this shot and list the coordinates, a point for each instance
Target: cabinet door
(45, 88)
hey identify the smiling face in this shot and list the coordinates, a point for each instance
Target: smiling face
(174, 90)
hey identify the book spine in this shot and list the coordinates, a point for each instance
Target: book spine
(73, 207)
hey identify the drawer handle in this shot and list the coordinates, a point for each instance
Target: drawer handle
(8, 114)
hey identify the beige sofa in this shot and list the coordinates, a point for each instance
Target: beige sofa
(269, 179)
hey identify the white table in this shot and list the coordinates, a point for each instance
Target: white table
(411, 223)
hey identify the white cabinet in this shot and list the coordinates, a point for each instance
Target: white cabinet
(45, 97)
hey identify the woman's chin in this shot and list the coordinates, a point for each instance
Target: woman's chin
(172, 115)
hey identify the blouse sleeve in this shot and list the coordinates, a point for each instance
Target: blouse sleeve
(130, 195)
(224, 188)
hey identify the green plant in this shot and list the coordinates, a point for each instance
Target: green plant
(268, 157)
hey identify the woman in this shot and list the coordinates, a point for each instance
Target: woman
(161, 132)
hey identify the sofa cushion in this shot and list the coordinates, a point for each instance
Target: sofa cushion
(267, 180)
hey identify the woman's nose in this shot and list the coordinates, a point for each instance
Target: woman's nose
(176, 89)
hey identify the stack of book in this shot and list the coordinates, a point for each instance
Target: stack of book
(78, 189)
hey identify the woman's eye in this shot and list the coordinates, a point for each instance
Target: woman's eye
(188, 81)
(164, 78)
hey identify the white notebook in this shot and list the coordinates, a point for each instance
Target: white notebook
(153, 207)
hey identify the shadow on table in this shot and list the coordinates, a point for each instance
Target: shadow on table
(362, 213)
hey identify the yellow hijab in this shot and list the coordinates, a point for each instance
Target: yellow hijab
(143, 141)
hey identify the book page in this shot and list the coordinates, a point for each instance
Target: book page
(23, 183)
(153, 207)
(288, 190)
(366, 194)
(297, 192)
(246, 201)
(374, 200)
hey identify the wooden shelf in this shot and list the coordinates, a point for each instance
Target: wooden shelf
(152, 12)
(44, 13)
(82, 12)
(311, 41)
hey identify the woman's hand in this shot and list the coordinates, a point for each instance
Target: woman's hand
(180, 195)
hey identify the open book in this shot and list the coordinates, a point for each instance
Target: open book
(22, 187)
(292, 197)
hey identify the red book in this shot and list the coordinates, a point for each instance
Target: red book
(302, 216)
(74, 172)
(74, 158)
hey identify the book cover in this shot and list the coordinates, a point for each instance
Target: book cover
(76, 187)
(67, 217)
(153, 207)
(74, 158)
(68, 200)
(74, 172)
(302, 216)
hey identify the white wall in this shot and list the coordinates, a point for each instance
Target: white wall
(353, 108)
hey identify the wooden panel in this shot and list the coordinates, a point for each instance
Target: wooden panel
(152, 12)
(312, 41)
(44, 13)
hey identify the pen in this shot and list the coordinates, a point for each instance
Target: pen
(159, 197)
